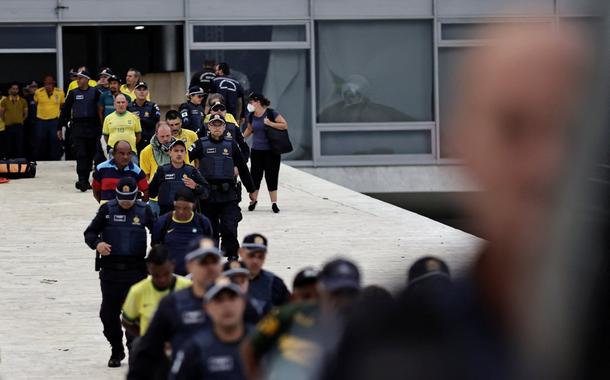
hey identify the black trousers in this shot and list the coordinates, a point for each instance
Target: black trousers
(114, 293)
(85, 150)
(225, 216)
(13, 136)
(267, 162)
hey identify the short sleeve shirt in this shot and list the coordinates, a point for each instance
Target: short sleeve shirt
(48, 106)
(122, 127)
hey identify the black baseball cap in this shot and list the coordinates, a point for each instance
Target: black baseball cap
(217, 105)
(234, 268)
(141, 84)
(114, 78)
(306, 276)
(106, 72)
(178, 142)
(202, 248)
(255, 242)
(195, 90)
(217, 118)
(126, 189)
(184, 194)
(340, 274)
(222, 284)
(83, 74)
(426, 267)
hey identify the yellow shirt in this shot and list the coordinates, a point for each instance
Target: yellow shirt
(143, 299)
(149, 164)
(132, 94)
(189, 137)
(122, 127)
(47, 107)
(2, 125)
(74, 84)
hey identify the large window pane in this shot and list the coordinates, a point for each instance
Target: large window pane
(449, 60)
(374, 71)
(14, 37)
(282, 76)
(24, 67)
(471, 31)
(248, 33)
(375, 142)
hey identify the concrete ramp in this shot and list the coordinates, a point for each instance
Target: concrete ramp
(49, 292)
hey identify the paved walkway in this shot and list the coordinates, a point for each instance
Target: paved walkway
(49, 293)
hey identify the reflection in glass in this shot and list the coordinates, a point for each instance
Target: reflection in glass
(15, 37)
(374, 71)
(248, 33)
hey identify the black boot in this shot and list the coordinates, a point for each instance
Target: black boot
(275, 208)
(115, 358)
(252, 206)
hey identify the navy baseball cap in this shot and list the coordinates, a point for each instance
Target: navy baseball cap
(217, 118)
(114, 78)
(217, 105)
(426, 267)
(222, 284)
(141, 84)
(340, 274)
(126, 189)
(255, 242)
(106, 72)
(305, 276)
(203, 248)
(234, 268)
(178, 142)
(195, 90)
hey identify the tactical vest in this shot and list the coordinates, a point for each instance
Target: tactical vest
(125, 230)
(219, 359)
(85, 105)
(190, 318)
(145, 114)
(172, 181)
(260, 290)
(217, 161)
(192, 116)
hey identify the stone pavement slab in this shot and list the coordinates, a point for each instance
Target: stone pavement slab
(49, 292)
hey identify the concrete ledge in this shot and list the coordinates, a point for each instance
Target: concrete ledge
(50, 295)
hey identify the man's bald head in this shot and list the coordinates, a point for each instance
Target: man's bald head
(163, 132)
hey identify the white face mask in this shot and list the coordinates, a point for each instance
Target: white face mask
(250, 107)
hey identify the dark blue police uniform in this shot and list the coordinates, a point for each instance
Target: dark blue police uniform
(267, 290)
(125, 231)
(217, 158)
(149, 114)
(192, 116)
(168, 179)
(85, 130)
(232, 91)
(232, 133)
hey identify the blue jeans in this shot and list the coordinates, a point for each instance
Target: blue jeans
(48, 147)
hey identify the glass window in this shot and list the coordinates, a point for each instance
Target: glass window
(25, 67)
(448, 63)
(473, 31)
(14, 37)
(248, 33)
(375, 142)
(374, 71)
(282, 76)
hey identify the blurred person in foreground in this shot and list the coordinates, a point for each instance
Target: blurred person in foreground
(512, 129)
(291, 340)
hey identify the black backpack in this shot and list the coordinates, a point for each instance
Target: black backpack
(17, 168)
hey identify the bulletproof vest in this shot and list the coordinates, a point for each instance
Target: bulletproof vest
(217, 161)
(145, 114)
(194, 115)
(190, 318)
(260, 290)
(85, 105)
(172, 181)
(125, 229)
(219, 359)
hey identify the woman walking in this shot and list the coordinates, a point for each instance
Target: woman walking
(264, 160)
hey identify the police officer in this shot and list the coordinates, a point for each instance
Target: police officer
(230, 89)
(118, 234)
(217, 159)
(176, 175)
(191, 111)
(232, 130)
(102, 81)
(265, 287)
(213, 353)
(179, 315)
(205, 77)
(148, 112)
(81, 109)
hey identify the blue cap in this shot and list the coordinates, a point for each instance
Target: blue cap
(340, 274)
(221, 284)
(204, 248)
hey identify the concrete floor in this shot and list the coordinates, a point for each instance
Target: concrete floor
(49, 292)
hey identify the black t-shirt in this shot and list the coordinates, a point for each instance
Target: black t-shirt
(231, 90)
